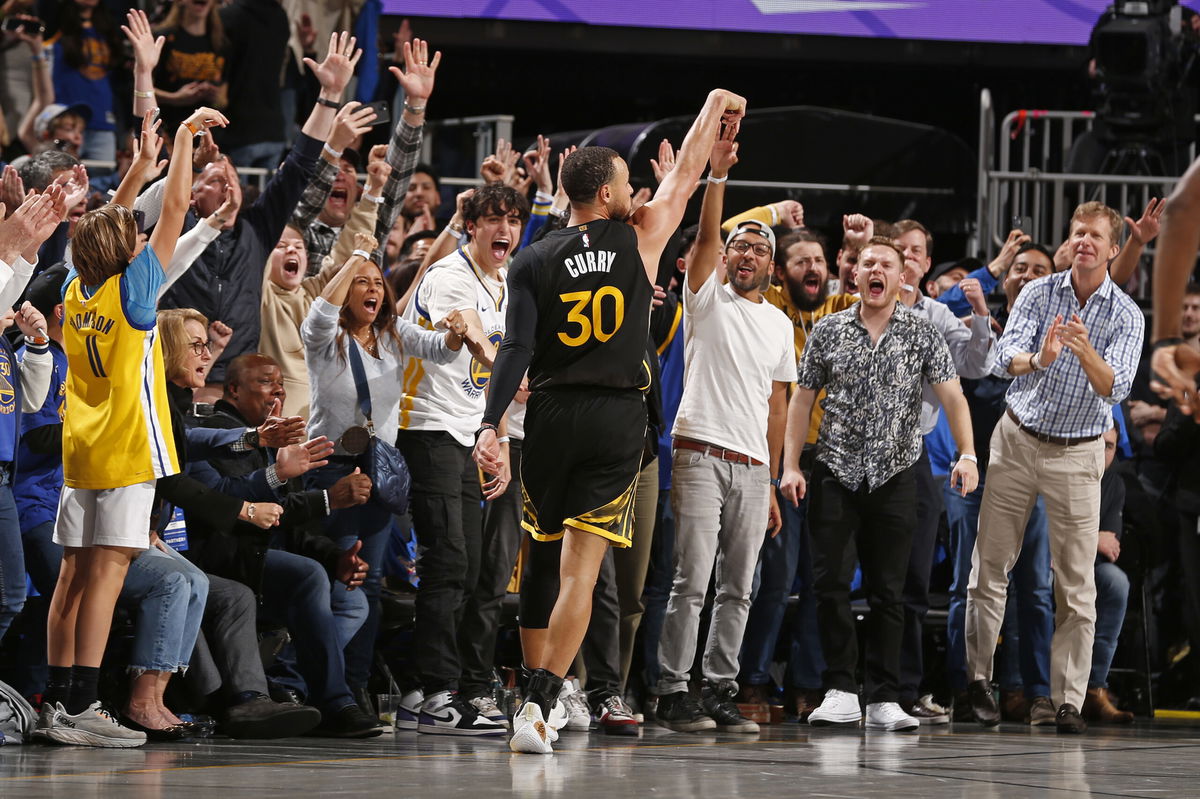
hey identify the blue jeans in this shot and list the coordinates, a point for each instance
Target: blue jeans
(12, 560)
(1112, 595)
(295, 593)
(43, 557)
(657, 590)
(1034, 592)
(267, 154)
(370, 523)
(349, 614)
(168, 595)
(783, 562)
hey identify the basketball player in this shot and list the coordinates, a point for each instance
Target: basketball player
(578, 317)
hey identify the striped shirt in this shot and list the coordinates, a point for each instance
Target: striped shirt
(1059, 400)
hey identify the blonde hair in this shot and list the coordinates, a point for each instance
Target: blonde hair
(216, 30)
(175, 338)
(1093, 209)
(104, 243)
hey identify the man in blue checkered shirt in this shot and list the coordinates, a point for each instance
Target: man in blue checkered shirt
(1073, 343)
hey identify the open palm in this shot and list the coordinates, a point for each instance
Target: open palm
(417, 78)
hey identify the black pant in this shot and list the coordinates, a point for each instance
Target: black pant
(448, 521)
(916, 582)
(880, 523)
(481, 616)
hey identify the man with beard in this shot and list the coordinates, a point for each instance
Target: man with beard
(872, 360)
(739, 364)
(440, 409)
(973, 353)
(803, 296)
(579, 322)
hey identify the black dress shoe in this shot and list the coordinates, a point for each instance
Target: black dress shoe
(346, 722)
(175, 732)
(983, 703)
(1068, 720)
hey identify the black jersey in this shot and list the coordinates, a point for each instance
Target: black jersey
(593, 307)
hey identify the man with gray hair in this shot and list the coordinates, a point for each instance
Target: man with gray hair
(739, 363)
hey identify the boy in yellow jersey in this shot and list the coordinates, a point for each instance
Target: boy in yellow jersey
(117, 438)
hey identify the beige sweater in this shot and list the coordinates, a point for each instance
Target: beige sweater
(284, 310)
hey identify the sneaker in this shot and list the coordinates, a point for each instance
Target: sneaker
(889, 716)
(717, 701)
(487, 707)
(557, 720)
(408, 711)
(680, 712)
(615, 717)
(838, 707)
(95, 726)
(45, 722)
(445, 713)
(926, 711)
(262, 718)
(1041, 712)
(530, 734)
(350, 721)
(635, 707)
(574, 702)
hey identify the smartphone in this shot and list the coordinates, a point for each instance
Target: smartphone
(1023, 224)
(33, 27)
(382, 110)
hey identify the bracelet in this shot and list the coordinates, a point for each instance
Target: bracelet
(42, 59)
(372, 198)
(331, 151)
(711, 179)
(561, 213)
(336, 106)
(502, 440)
(250, 511)
(192, 130)
(143, 95)
(414, 109)
(454, 228)
(1035, 363)
(366, 256)
(971, 458)
(36, 341)
(775, 482)
(485, 426)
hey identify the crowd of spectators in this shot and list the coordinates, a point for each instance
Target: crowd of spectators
(350, 301)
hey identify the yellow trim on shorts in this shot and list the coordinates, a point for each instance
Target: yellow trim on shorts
(538, 535)
(617, 540)
(616, 514)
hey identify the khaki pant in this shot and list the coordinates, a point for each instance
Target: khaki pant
(1068, 478)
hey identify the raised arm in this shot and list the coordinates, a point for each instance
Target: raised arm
(417, 80)
(656, 220)
(708, 241)
(333, 73)
(43, 88)
(177, 194)
(145, 151)
(1141, 233)
(146, 51)
(1174, 363)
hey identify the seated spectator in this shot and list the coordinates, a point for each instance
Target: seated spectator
(1112, 592)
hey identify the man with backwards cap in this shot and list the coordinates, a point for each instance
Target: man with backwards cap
(739, 363)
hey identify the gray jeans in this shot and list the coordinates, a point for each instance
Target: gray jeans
(720, 514)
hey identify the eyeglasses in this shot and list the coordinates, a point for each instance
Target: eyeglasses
(744, 246)
(198, 347)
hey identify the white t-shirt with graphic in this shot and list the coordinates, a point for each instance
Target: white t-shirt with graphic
(451, 397)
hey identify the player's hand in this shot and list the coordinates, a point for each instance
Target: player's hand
(1174, 370)
(487, 452)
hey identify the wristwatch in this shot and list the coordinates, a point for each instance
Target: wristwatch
(250, 511)
(484, 426)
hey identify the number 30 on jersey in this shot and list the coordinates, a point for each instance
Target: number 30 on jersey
(597, 314)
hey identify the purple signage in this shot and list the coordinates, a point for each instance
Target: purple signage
(1031, 21)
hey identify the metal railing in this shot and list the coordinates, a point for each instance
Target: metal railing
(1023, 180)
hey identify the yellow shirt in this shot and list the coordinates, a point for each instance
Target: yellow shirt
(116, 420)
(803, 322)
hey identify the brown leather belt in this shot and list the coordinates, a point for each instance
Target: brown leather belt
(1046, 438)
(717, 452)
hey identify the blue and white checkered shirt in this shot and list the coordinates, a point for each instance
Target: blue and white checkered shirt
(1059, 400)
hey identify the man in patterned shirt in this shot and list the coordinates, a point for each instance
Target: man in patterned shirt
(321, 211)
(1073, 343)
(871, 360)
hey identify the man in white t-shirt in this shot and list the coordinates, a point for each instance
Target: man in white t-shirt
(739, 361)
(440, 410)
